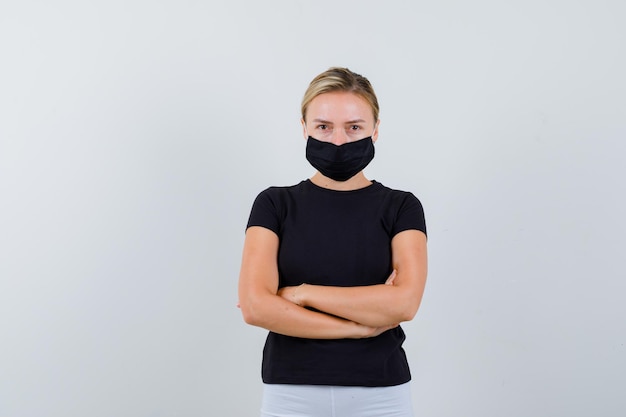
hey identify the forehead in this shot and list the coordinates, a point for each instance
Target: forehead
(338, 106)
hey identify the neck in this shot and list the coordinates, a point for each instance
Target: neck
(354, 183)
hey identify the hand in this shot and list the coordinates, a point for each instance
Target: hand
(291, 294)
(375, 331)
(391, 278)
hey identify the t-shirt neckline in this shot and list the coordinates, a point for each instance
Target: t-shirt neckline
(374, 185)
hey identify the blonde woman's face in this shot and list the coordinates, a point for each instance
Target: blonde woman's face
(339, 117)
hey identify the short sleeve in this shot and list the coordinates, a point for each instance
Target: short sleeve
(410, 215)
(265, 212)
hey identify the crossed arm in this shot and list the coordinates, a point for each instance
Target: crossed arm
(352, 312)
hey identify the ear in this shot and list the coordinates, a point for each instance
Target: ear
(375, 134)
(304, 131)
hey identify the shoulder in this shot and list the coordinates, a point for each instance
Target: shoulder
(277, 198)
(271, 206)
(402, 210)
(399, 197)
(280, 192)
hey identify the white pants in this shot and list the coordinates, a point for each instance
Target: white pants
(333, 401)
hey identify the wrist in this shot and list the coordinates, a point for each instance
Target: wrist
(298, 295)
(360, 331)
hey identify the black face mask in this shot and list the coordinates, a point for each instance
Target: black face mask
(339, 162)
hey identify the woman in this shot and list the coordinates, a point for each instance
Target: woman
(332, 265)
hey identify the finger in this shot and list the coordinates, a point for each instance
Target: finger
(391, 278)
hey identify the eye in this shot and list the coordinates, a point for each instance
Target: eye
(322, 127)
(355, 127)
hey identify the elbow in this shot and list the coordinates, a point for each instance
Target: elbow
(247, 315)
(250, 315)
(408, 314)
(409, 309)
(254, 310)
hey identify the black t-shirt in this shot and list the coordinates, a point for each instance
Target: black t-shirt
(339, 238)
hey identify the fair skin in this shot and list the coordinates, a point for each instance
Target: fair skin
(342, 312)
(340, 117)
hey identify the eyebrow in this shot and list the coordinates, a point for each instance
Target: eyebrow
(326, 122)
(349, 122)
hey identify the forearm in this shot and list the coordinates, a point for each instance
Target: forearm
(377, 305)
(374, 305)
(278, 315)
(261, 306)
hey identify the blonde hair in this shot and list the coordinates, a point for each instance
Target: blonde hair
(340, 79)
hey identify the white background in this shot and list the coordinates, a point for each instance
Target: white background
(134, 136)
